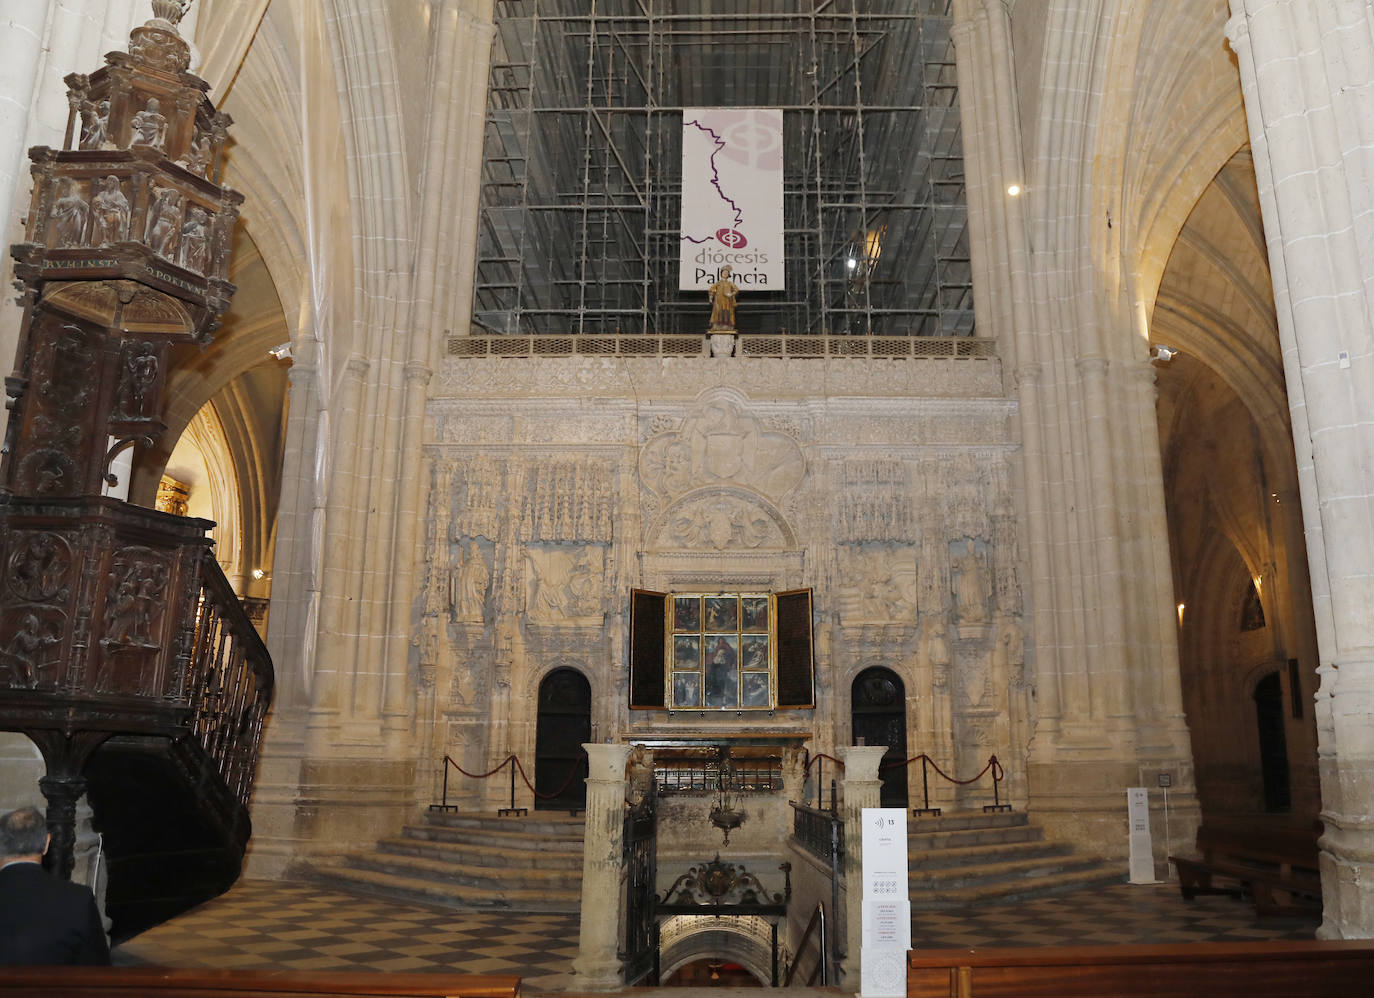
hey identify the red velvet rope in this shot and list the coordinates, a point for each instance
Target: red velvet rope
(817, 758)
(992, 764)
(521, 770)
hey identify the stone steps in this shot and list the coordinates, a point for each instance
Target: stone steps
(968, 859)
(531, 863)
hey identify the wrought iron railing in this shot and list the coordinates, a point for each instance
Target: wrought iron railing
(821, 833)
(701, 776)
(229, 681)
(819, 972)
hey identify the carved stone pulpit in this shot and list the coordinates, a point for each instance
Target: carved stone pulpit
(126, 252)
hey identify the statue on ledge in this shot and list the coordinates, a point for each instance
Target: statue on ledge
(723, 295)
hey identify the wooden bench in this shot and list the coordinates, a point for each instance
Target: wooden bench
(1294, 969)
(161, 982)
(1276, 866)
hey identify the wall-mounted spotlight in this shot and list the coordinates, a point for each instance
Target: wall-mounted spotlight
(1162, 353)
(1013, 190)
(282, 352)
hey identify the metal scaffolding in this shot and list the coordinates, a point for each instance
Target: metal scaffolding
(580, 213)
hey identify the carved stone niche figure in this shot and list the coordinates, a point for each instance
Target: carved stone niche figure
(468, 585)
(150, 127)
(69, 216)
(136, 382)
(971, 588)
(936, 653)
(164, 229)
(95, 124)
(195, 240)
(111, 224)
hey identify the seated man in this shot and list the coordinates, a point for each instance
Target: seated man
(43, 919)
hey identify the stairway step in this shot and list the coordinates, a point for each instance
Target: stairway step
(1007, 872)
(513, 837)
(1098, 874)
(446, 894)
(959, 820)
(943, 859)
(465, 873)
(960, 837)
(495, 857)
(485, 827)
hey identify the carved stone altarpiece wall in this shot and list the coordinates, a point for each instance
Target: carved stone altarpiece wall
(544, 511)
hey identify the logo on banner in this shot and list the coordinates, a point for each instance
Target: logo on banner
(732, 198)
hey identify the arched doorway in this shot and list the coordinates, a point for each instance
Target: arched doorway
(878, 714)
(564, 723)
(1273, 745)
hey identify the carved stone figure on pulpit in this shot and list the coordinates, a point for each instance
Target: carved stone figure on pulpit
(198, 156)
(195, 240)
(164, 230)
(69, 214)
(111, 213)
(150, 126)
(95, 123)
(136, 382)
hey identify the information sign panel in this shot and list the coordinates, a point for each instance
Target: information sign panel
(886, 904)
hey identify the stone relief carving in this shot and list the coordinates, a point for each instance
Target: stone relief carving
(569, 500)
(876, 584)
(566, 584)
(720, 521)
(719, 444)
(70, 213)
(28, 645)
(39, 566)
(971, 588)
(476, 496)
(135, 600)
(874, 503)
(111, 213)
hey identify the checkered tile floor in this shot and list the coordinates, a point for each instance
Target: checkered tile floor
(285, 926)
(1123, 913)
(265, 925)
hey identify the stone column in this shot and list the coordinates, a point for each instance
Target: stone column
(597, 967)
(1307, 75)
(862, 788)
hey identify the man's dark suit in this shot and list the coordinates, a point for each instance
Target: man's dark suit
(44, 920)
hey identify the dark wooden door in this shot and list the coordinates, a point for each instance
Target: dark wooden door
(1273, 744)
(879, 718)
(564, 723)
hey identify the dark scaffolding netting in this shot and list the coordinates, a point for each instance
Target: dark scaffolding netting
(581, 169)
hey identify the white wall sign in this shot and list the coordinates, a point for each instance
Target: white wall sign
(732, 197)
(886, 903)
(1142, 849)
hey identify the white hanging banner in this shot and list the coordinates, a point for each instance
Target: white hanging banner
(732, 197)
